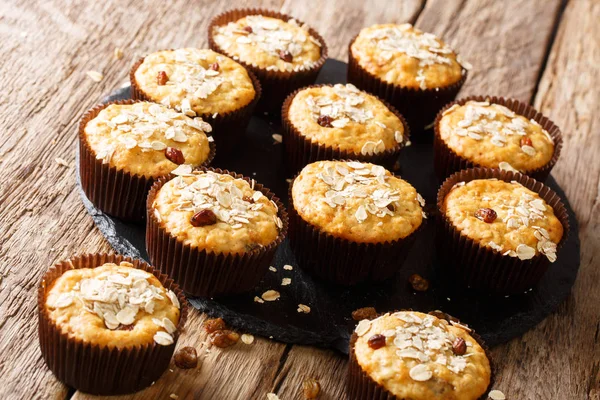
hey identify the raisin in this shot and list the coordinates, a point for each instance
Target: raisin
(203, 218)
(174, 155)
(486, 215)
(215, 324)
(525, 141)
(247, 28)
(162, 78)
(459, 346)
(214, 67)
(376, 341)
(391, 207)
(126, 327)
(325, 121)
(186, 358)
(248, 199)
(286, 56)
(418, 283)
(224, 338)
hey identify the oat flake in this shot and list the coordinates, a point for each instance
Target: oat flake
(496, 395)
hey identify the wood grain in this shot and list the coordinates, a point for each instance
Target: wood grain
(46, 50)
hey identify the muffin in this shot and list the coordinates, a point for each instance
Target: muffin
(124, 146)
(495, 133)
(108, 324)
(202, 83)
(498, 231)
(417, 356)
(284, 53)
(351, 222)
(214, 232)
(415, 71)
(327, 122)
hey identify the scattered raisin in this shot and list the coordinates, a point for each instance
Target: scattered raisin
(214, 67)
(186, 358)
(391, 207)
(224, 338)
(247, 28)
(525, 141)
(364, 313)
(311, 388)
(418, 283)
(248, 199)
(162, 78)
(286, 56)
(376, 341)
(203, 218)
(174, 155)
(125, 327)
(459, 346)
(325, 121)
(486, 215)
(215, 324)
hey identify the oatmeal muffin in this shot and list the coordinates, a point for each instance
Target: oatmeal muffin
(125, 146)
(284, 53)
(338, 122)
(417, 356)
(499, 230)
(415, 71)
(103, 313)
(495, 133)
(352, 221)
(199, 83)
(213, 231)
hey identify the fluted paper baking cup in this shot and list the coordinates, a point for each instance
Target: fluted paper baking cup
(418, 106)
(301, 150)
(114, 191)
(360, 386)
(446, 161)
(98, 369)
(201, 272)
(482, 268)
(343, 261)
(277, 85)
(227, 128)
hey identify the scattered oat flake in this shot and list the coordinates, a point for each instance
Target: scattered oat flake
(272, 269)
(496, 395)
(303, 308)
(277, 138)
(270, 295)
(118, 53)
(247, 338)
(288, 267)
(174, 396)
(272, 396)
(95, 76)
(62, 162)
(258, 299)
(286, 281)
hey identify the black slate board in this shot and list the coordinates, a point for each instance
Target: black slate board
(329, 323)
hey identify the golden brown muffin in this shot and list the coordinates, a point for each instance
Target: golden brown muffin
(504, 216)
(113, 306)
(405, 56)
(341, 116)
(269, 43)
(147, 139)
(491, 135)
(216, 213)
(360, 202)
(194, 81)
(420, 357)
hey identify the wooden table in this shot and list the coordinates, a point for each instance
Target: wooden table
(546, 52)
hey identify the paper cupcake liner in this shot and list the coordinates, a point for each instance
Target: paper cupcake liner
(116, 192)
(301, 150)
(418, 106)
(227, 128)
(276, 84)
(343, 261)
(360, 386)
(97, 369)
(446, 161)
(204, 273)
(481, 268)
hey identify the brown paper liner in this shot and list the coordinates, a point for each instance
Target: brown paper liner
(116, 192)
(482, 268)
(360, 386)
(227, 128)
(343, 261)
(276, 84)
(94, 368)
(301, 150)
(204, 273)
(419, 106)
(446, 161)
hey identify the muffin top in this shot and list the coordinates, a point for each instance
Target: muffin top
(147, 139)
(357, 201)
(216, 212)
(420, 357)
(341, 116)
(114, 306)
(505, 216)
(269, 43)
(195, 81)
(405, 56)
(489, 134)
